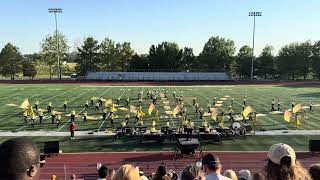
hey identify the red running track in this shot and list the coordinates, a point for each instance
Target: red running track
(84, 165)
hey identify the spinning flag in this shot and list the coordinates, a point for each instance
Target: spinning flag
(287, 116)
(141, 113)
(213, 113)
(151, 108)
(25, 104)
(176, 110)
(113, 109)
(296, 108)
(299, 119)
(247, 111)
(30, 111)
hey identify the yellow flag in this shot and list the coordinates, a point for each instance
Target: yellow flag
(113, 108)
(247, 111)
(30, 111)
(299, 119)
(287, 116)
(151, 108)
(141, 113)
(176, 110)
(296, 108)
(213, 113)
(25, 104)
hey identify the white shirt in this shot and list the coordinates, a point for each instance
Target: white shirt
(215, 176)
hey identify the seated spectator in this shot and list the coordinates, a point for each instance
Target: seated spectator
(103, 173)
(20, 159)
(191, 173)
(315, 171)
(245, 175)
(126, 172)
(230, 174)
(212, 167)
(282, 164)
(258, 176)
(161, 171)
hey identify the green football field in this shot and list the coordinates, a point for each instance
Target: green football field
(258, 96)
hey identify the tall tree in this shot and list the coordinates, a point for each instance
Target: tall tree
(166, 55)
(189, 60)
(139, 62)
(217, 53)
(88, 58)
(294, 59)
(109, 54)
(49, 50)
(265, 63)
(125, 53)
(29, 69)
(10, 61)
(316, 59)
(243, 61)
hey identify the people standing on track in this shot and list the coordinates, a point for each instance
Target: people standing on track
(72, 128)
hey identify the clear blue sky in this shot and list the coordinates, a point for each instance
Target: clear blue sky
(144, 22)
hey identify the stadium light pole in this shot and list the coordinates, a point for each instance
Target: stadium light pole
(55, 11)
(254, 14)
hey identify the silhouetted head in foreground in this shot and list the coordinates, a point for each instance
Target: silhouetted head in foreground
(20, 159)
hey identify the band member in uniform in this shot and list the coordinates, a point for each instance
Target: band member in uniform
(73, 115)
(118, 101)
(194, 100)
(196, 107)
(123, 126)
(97, 106)
(86, 105)
(174, 94)
(205, 124)
(279, 105)
(111, 120)
(244, 100)
(33, 118)
(72, 128)
(65, 105)
(92, 100)
(25, 116)
(53, 114)
(58, 120)
(36, 105)
(85, 114)
(167, 123)
(140, 122)
(49, 107)
(40, 113)
(127, 118)
(189, 129)
(243, 106)
(154, 101)
(272, 105)
(293, 103)
(127, 101)
(104, 115)
(231, 104)
(310, 106)
(100, 101)
(201, 113)
(230, 113)
(214, 101)
(209, 106)
(140, 101)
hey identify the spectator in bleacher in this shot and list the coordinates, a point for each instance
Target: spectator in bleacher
(212, 167)
(19, 159)
(103, 173)
(282, 164)
(258, 176)
(245, 174)
(126, 172)
(161, 171)
(191, 173)
(230, 174)
(315, 171)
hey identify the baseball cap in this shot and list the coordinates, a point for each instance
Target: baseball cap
(210, 159)
(245, 174)
(278, 151)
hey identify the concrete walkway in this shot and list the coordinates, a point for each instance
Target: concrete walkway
(103, 133)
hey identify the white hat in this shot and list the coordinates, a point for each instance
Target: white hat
(278, 151)
(245, 174)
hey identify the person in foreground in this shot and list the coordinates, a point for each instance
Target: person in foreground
(192, 173)
(20, 159)
(126, 172)
(282, 164)
(212, 167)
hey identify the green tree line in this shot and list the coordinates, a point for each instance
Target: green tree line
(298, 60)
